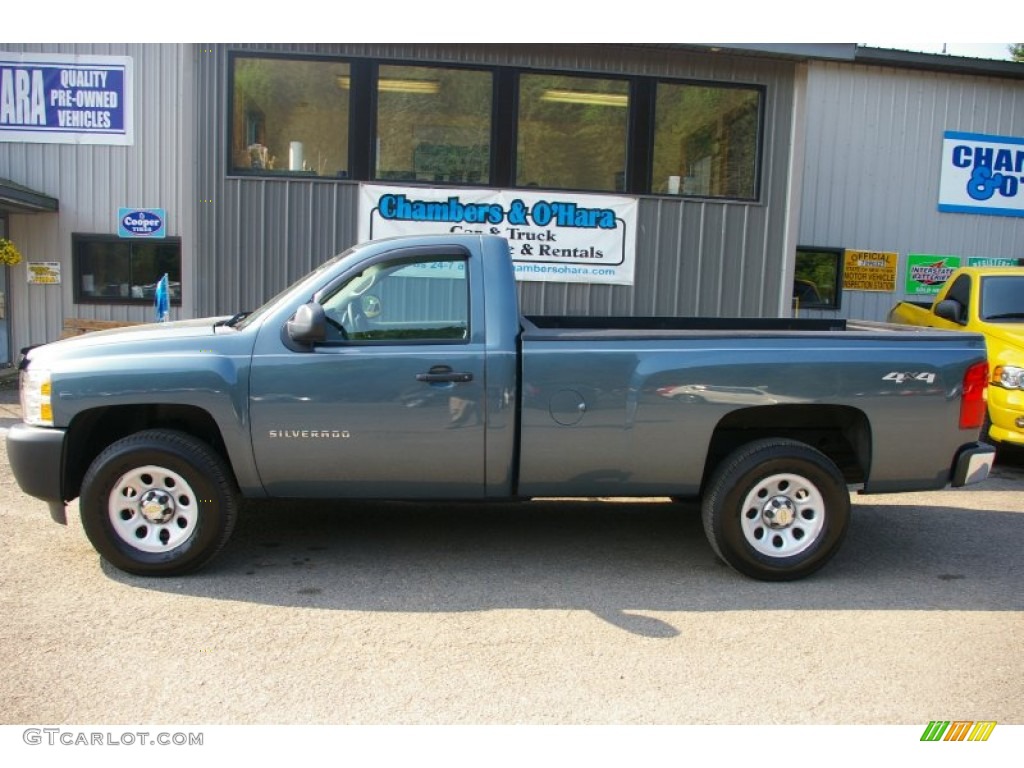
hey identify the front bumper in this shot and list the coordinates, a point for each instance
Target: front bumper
(972, 464)
(36, 455)
(1006, 414)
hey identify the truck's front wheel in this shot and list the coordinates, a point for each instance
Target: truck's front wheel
(158, 503)
(776, 509)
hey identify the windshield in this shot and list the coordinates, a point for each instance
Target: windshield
(1002, 298)
(262, 310)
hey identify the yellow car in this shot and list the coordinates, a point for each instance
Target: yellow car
(988, 300)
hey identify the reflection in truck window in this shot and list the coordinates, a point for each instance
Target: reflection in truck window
(423, 300)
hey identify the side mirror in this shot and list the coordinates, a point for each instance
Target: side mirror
(309, 326)
(950, 309)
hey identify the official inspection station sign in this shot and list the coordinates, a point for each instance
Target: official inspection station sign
(869, 270)
(65, 99)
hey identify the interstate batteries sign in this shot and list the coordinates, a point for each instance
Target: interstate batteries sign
(982, 174)
(65, 99)
(553, 236)
(926, 273)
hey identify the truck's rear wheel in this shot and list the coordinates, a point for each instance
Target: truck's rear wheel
(776, 510)
(158, 503)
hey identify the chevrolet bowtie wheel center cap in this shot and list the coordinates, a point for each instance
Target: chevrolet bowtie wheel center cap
(779, 512)
(156, 506)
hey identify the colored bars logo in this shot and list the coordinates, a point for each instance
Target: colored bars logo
(958, 730)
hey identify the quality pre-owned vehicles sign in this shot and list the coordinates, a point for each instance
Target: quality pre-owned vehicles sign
(553, 236)
(982, 174)
(65, 99)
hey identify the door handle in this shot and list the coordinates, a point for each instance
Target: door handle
(443, 374)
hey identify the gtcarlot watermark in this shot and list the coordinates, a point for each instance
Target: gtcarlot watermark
(71, 738)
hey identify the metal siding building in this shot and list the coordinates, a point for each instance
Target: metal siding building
(848, 158)
(259, 234)
(92, 181)
(872, 163)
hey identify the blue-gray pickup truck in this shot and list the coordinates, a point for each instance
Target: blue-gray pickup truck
(403, 369)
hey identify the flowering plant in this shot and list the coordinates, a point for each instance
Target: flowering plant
(9, 253)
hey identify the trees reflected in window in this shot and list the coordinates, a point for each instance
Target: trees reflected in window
(705, 141)
(572, 132)
(494, 126)
(290, 117)
(817, 278)
(433, 124)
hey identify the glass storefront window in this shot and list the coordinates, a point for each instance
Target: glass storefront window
(433, 125)
(290, 117)
(705, 141)
(572, 132)
(409, 122)
(112, 270)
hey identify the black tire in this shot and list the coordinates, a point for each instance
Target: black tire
(776, 510)
(190, 497)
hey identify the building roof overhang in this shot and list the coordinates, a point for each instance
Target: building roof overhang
(861, 54)
(16, 198)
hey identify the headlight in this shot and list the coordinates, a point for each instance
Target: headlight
(36, 406)
(1008, 377)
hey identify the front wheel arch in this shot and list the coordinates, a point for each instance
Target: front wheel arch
(92, 431)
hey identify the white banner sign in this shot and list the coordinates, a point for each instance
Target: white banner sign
(553, 236)
(982, 174)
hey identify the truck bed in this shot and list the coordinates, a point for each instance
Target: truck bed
(540, 324)
(634, 403)
(566, 327)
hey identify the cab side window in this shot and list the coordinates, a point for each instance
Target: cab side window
(403, 301)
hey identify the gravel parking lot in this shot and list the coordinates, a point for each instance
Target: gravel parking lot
(590, 612)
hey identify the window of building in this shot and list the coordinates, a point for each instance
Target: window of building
(705, 141)
(572, 132)
(112, 270)
(290, 116)
(433, 124)
(413, 123)
(817, 278)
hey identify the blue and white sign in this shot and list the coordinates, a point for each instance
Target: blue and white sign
(982, 174)
(141, 222)
(66, 99)
(561, 237)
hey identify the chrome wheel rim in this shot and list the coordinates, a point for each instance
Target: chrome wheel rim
(153, 509)
(783, 515)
